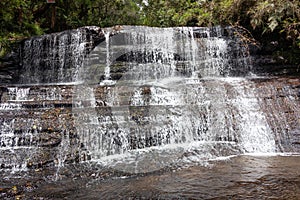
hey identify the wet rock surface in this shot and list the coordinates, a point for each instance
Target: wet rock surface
(48, 130)
(55, 56)
(35, 122)
(67, 51)
(204, 100)
(241, 177)
(41, 128)
(268, 65)
(280, 104)
(40, 121)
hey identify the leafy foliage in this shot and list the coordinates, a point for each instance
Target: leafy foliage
(277, 15)
(264, 18)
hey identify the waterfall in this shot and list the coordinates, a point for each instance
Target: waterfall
(18, 94)
(57, 57)
(160, 94)
(107, 67)
(177, 87)
(107, 78)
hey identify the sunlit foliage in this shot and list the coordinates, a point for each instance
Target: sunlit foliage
(23, 18)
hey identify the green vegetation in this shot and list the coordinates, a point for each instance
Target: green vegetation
(267, 20)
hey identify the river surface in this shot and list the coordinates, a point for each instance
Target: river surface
(240, 177)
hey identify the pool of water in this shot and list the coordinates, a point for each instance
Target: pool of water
(240, 177)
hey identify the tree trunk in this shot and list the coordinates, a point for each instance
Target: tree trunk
(53, 16)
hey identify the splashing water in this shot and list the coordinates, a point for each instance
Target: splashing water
(172, 91)
(143, 99)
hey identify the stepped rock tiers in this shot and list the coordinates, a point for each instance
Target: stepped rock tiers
(92, 93)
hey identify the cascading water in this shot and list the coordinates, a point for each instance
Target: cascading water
(57, 57)
(31, 122)
(35, 115)
(107, 67)
(174, 86)
(143, 95)
(140, 112)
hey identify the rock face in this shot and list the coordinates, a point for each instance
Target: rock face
(44, 126)
(89, 93)
(59, 56)
(35, 122)
(50, 58)
(280, 102)
(9, 68)
(36, 119)
(268, 65)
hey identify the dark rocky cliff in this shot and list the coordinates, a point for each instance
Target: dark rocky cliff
(15, 67)
(34, 55)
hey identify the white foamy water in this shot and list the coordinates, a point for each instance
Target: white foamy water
(173, 92)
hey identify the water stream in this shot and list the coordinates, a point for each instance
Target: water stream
(146, 105)
(175, 89)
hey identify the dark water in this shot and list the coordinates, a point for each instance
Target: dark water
(241, 177)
